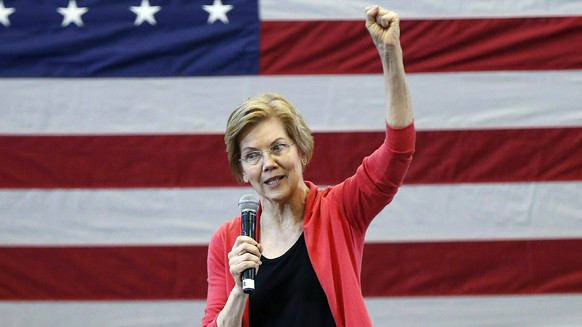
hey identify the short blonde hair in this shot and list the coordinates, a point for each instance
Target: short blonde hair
(260, 108)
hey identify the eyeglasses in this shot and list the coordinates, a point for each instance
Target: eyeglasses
(254, 157)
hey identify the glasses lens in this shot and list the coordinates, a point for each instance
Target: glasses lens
(254, 157)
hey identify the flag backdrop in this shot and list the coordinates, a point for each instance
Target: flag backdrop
(113, 171)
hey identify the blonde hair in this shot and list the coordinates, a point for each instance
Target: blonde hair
(260, 108)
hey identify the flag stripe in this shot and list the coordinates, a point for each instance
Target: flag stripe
(285, 48)
(511, 44)
(472, 268)
(466, 311)
(139, 106)
(102, 313)
(416, 269)
(490, 211)
(470, 156)
(354, 9)
(554, 310)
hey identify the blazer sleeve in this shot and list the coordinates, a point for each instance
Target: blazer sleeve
(220, 281)
(217, 295)
(376, 181)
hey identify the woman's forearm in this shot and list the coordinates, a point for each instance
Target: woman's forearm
(398, 100)
(232, 313)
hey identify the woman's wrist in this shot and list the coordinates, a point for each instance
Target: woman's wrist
(237, 291)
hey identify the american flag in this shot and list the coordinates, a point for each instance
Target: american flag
(113, 171)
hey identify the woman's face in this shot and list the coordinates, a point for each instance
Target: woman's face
(274, 177)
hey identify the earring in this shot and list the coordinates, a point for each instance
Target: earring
(245, 179)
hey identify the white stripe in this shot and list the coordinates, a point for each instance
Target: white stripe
(333, 102)
(191, 216)
(490, 311)
(354, 9)
(101, 314)
(481, 211)
(531, 311)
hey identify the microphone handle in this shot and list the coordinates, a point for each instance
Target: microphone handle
(249, 228)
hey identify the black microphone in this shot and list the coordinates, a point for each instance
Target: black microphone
(248, 205)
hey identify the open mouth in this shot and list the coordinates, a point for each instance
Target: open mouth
(273, 180)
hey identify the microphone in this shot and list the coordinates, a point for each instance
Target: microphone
(248, 205)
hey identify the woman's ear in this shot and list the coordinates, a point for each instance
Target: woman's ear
(303, 159)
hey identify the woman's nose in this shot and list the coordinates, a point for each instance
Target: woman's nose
(268, 160)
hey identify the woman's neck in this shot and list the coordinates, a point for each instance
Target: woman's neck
(285, 214)
(281, 225)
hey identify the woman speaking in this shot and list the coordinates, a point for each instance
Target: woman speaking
(308, 250)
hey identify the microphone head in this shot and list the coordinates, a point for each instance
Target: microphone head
(248, 202)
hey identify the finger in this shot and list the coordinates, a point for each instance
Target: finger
(243, 251)
(244, 257)
(236, 270)
(250, 257)
(241, 242)
(237, 266)
(248, 248)
(371, 13)
(245, 239)
(386, 18)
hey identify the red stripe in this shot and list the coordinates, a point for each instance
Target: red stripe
(509, 155)
(472, 268)
(470, 156)
(113, 161)
(102, 273)
(399, 269)
(440, 45)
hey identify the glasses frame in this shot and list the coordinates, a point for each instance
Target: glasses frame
(270, 151)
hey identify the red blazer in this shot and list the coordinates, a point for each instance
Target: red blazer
(335, 222)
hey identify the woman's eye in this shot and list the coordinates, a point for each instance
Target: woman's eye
(252, 155)
(277, 148)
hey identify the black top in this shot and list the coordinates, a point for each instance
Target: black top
(288, 293)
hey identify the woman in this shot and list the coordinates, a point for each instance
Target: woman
(310, 240)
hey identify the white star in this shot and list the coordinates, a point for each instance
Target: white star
(217, 11)
(4, 13)
(145, 13)
(72, 14)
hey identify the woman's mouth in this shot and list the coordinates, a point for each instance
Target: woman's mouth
(273, 180)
